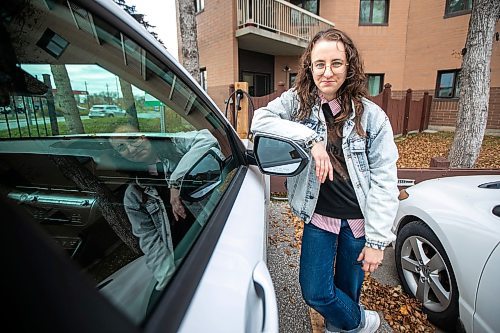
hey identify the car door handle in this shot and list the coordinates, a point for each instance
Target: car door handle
(262, 280)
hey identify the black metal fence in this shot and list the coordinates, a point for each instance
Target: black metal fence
(28, 116)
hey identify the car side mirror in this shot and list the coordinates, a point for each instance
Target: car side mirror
(203, 177)
(278, 156)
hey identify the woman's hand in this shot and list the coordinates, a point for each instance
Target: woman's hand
(371, 259)
(324, 167)
(177, 206)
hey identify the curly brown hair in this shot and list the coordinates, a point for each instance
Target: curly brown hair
(353, 89)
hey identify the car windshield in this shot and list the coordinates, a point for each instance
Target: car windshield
(112, 191)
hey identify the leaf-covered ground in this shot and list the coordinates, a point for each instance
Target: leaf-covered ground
(416, 150)
(402, 313)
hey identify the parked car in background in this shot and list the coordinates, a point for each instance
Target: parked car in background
(103, 111)
(156, 226)
(448, 250)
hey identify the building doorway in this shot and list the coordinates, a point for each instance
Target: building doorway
(259, 84)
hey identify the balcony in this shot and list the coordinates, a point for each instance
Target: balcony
(276, 27)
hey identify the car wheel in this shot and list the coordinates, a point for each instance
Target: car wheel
(425, 272)
(111, 115)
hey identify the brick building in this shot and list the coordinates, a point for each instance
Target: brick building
(408, 43)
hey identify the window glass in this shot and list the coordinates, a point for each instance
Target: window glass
(375, 84)
(203, 78)
(309, 5)
(379, 11)
(199, 5)
(96, 139)
(364, 12)
(447, 84)
(291, 80)
(373, 12)
(456, 6)
(259, 84)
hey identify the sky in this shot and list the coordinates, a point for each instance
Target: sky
(161, 14)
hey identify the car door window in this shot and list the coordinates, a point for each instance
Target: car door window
(125, 194)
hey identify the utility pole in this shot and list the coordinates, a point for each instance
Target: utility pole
(88, 95)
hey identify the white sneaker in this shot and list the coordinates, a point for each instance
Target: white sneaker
(372, 322)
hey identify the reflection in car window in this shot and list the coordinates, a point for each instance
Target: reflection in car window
(96, 139)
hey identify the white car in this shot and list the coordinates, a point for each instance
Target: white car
(448, 250)
(104, 110)
(156, 226)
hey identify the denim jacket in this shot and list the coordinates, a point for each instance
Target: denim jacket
(146, 209)
(370, 160)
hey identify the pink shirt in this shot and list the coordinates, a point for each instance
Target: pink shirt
(332, 224)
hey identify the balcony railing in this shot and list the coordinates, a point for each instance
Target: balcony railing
(280, 17)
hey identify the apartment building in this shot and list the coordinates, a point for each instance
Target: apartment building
(410, 44)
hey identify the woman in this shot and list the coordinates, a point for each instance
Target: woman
(160, 167)
(347, 195)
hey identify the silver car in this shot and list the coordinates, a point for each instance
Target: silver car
(448, 250)
(102, 111)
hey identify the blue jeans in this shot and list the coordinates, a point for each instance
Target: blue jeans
(334, 293)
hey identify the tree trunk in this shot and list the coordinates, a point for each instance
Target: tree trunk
(129, 103)
(474, 85)
(111, 208)
(189, 37)
(68, 102)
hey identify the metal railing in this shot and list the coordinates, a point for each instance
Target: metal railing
(280, 17)
(27, 116)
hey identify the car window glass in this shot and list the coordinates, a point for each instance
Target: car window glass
(96, 138)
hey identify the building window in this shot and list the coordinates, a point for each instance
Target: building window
(291, 80)
(309, 5)
(375, 84)
(259, 84)
(374, 12)
(447, 85)
(199, 5)
(457, 7)
(203, 78)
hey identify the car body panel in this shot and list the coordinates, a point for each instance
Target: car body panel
(229, 271)
(459, 213)
(220, 281)
(486, 317)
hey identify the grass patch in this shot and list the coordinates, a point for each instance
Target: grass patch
(91, 126)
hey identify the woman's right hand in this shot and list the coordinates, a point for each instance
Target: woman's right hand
(324, 167)
(177, 206)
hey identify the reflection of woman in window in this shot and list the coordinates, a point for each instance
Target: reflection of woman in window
(146, 199)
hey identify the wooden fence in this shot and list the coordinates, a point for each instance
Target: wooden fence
(405, 114)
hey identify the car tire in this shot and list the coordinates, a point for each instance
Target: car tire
(111, 115)
(425, 272)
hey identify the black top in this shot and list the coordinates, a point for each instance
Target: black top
(337, 198)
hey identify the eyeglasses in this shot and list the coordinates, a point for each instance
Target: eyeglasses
(131, 142)
(336, 67)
